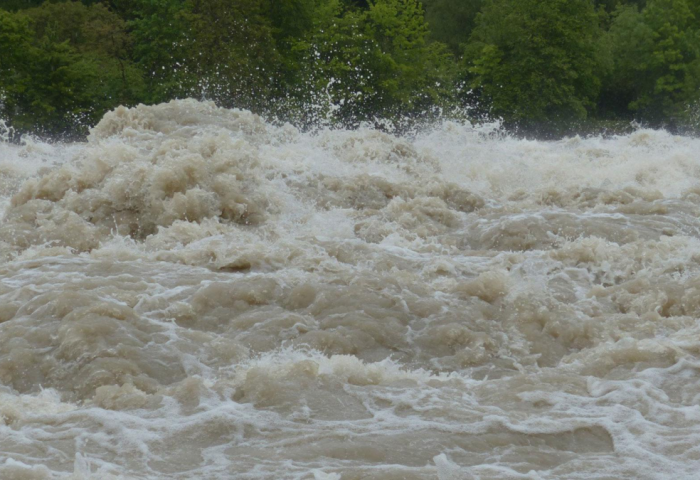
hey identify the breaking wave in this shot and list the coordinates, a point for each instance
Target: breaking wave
(196, 293)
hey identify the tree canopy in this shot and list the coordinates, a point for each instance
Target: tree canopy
(536, 59)
(546, 65)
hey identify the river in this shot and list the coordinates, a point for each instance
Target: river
(196, 293)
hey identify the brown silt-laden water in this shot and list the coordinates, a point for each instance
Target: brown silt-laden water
(198, 294)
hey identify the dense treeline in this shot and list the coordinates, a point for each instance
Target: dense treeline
(551, 66)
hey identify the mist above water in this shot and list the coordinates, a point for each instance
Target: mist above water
(196, 293)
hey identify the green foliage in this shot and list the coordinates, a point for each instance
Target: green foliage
(59, 71)
(14, 5)
(452, 21)
(100, 38)
(291, 19)
(612, 5)
(374, 62)
(232, 52)
(535, 63)
(218, 49)
(160, 33)
(15, 41)
(656, 56)
(536, 60)
(629, 42)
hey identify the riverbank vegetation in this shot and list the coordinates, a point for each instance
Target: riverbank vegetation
(544, 67)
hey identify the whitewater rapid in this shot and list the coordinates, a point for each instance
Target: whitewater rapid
(195, 293)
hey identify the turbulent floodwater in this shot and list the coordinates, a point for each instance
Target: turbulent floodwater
(196, 294)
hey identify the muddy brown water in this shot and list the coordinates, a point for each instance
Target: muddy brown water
(198, 294)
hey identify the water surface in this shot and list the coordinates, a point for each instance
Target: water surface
(196, 293)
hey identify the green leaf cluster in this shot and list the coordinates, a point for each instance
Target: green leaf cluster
(656, 54)
(536, 60)
(558, 63)
(62, 66)
(373, 62)
(452, 21)
(547, 66)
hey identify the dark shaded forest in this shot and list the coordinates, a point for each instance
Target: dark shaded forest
(544, 67)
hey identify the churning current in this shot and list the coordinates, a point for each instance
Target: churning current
(198, 294)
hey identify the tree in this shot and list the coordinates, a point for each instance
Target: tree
(612, 5)
(162, 37)
(42, 82)
(63, 65)
(219, 49)
(452, 21)
(99, 37)
(629, 42)
(14, 5)
(536, 60)
(290, 19)
(674, 63)
(656, 54)
(233, 51)
(373, 62)
(15, 43)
